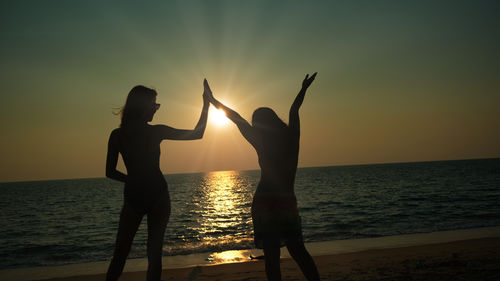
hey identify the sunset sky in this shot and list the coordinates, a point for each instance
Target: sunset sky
(396, 82)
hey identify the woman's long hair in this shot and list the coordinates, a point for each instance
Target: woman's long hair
(139, 105)
(267, 122)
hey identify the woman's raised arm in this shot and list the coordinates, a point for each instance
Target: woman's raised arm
(167, 132)
(293, 118)
(245, 128)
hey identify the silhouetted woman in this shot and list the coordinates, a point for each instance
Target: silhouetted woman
(146, 191)
(275, 216)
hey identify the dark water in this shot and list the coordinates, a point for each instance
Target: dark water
(73, 221)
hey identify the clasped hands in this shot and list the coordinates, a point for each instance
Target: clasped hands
(208, 96)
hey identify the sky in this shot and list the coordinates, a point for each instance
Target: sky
(397, 82)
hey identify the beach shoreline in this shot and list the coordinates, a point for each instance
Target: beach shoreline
(467, 251)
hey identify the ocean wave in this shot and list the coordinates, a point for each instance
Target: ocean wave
(209, 245)
(47, 223)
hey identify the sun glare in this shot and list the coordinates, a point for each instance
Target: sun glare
(219, 117)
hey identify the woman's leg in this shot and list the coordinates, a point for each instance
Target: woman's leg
(129, 223)
(306, 263)
(157, 222)
(272, 257)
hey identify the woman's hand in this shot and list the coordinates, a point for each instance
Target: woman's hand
(293, 119)
(308, 80)
(207, 92)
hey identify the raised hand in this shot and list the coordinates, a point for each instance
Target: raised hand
(294, 120)
(308, 80)
(207, 92)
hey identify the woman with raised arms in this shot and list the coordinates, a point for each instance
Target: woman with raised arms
(146, 191)
(275, 215)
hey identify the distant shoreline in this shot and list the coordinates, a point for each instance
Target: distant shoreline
(325, 252)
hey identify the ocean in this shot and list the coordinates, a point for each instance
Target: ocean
(49, 223)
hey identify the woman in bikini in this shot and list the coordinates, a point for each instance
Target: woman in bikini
(146, 191)
(275, 215)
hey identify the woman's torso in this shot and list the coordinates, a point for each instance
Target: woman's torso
(278, 157)
(140, 149)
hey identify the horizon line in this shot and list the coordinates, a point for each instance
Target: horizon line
(301, 167)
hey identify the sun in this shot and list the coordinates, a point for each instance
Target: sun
(219, 117)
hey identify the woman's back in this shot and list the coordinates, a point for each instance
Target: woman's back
(278, 157)
(275, 214)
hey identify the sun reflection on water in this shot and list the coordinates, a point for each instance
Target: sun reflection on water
(222, 208)
(232, 256)
(213, 212)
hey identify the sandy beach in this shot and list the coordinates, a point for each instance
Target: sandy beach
(473, 259)
(468, 254)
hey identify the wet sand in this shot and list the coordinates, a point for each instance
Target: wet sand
(472, 259)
